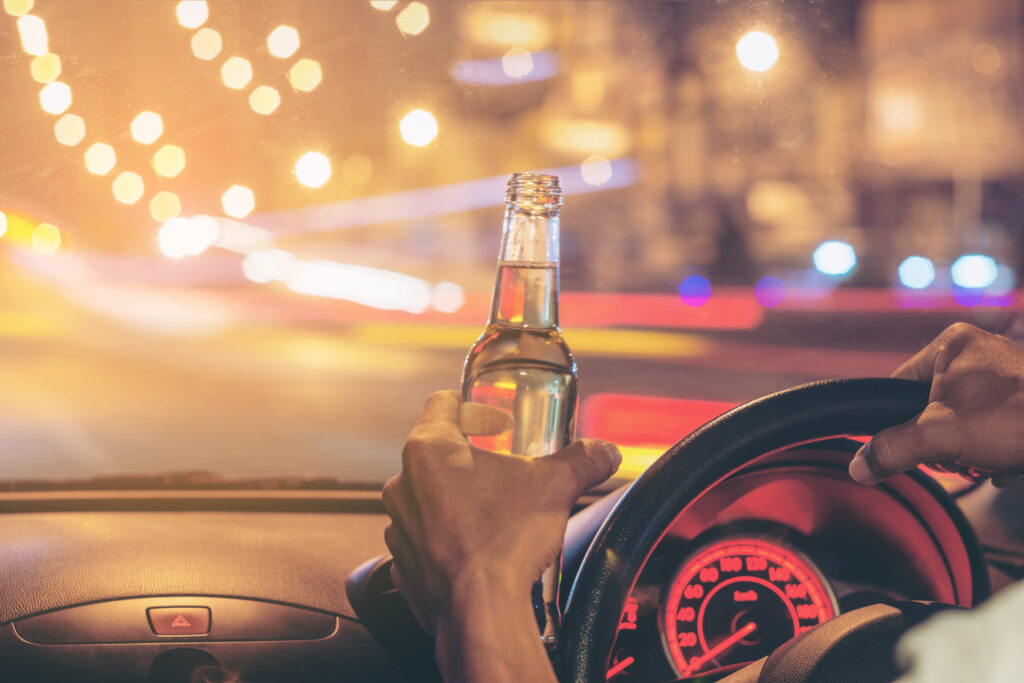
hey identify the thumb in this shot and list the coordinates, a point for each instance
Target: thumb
(927, 438)
(589, 463)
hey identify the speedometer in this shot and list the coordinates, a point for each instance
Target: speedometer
(737, 600)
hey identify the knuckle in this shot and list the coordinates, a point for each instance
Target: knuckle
(961, 330)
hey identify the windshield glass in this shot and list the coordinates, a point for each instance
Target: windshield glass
(248, 238)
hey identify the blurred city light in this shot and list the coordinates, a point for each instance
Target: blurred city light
(192, 13)
(414, 19)
(357, 169)
(508, 29)
(517, 62)
(305, 74)
(264, 99)
(986, 59)
(236, 73)
(100, 158)
(180, 237)
(46, 238)
(240, 237)
(834, 258)
(128, 187)
(493, 71)
(18, 8)
(418, 127)
(383, 5)
(238, 201)
(206, 44)
(55, 97)
(364, 285)
(757, 51)
(447, 297)
(587, 136)
(3, 223)
(267, 265)
(32, 31)
(283, 42)
(695, 290)
(69, 129)
(974, 271)
(45, 68)
(169, 161)
(916, 272)
(164, 206)
(596, 170)
(313, 169)
(147, 127)
(769, 291)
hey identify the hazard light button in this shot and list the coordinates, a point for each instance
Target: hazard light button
(179, 621)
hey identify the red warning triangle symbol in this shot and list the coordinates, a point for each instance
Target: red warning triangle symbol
(180, 622)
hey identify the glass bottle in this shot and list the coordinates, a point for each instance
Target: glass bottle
(521, 363)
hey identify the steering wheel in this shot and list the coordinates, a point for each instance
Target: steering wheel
(691, 467)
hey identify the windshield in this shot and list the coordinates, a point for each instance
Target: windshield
(248, 238)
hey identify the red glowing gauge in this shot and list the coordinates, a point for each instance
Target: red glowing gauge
(737, 600)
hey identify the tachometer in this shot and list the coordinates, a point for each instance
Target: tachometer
(737, 600)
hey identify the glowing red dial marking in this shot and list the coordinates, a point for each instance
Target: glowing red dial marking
(620, 667)
(698, 662)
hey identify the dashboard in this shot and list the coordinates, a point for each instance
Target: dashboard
(148, 587)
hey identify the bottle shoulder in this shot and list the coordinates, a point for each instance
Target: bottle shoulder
(517, 345)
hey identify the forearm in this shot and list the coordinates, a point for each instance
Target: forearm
(490, 635)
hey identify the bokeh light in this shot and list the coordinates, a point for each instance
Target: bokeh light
(283, 42)
(447, 297)
(383, 5)
(206, 44)
(357, 169)
(986, 59)
(236, 73)
(695, 290)
(974, 271)
(46, 238)
(32, 31)
(596, 170)
(313, 169)
(100, 158)
(834, 258)
(164, 206)
(769, 291)
(45, 68)
(192, 13)
(418, 127)
(169, 161)
(181, 237)
(916, 272)
(3, 223)
(128, 187)
(69, 129)
(18, 8)
(757, 51)
(267, 265)
(414, 19)
(147, 127)
(517, 62)
(238, 201)
(55, 97)
(305, 74)
(264, 99)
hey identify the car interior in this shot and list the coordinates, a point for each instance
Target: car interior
(242, 240)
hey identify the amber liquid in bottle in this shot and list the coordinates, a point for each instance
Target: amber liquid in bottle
(521, 364)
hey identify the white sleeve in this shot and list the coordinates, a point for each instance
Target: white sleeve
(984, 645)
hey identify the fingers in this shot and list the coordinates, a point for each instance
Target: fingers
(589, 462)
(439, 415)
(930, 437)
(477, 419)
(922, 365)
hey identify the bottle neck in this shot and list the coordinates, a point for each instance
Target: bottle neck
(526, 287)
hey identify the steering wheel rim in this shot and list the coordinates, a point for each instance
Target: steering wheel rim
(706, 456)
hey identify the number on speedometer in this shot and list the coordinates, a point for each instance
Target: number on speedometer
(737, 600)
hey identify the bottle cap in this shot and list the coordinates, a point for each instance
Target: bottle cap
(534, 193)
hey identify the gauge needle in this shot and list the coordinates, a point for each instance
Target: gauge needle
(698, 662)
(620, 666)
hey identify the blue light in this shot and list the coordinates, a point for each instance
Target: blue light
(695, 291)
(834, 258)
(916, 272)
(769, 291)
(974, 271)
